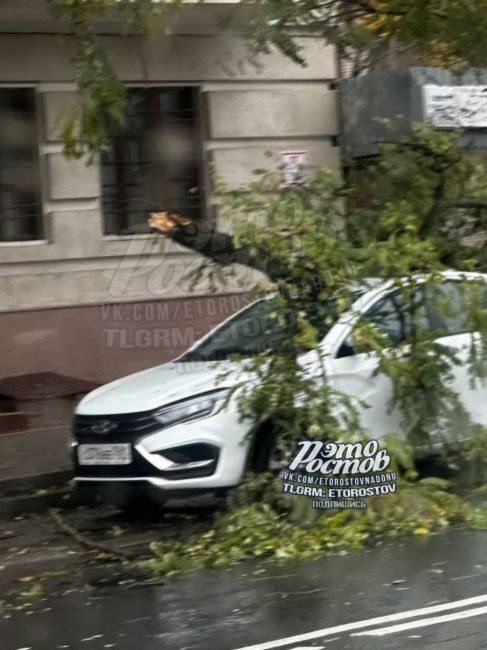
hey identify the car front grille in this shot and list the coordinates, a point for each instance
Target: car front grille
(126, 427)
(129, 428)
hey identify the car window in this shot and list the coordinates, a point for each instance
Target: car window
(391, 315)
(448, 303)
(259, 327)
(249, 332)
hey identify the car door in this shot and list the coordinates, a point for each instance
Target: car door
(357, 375)
(448, 304)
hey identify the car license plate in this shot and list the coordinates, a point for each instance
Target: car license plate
(116, 454)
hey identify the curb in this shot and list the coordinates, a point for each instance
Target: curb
(35, 493)
(28, 504)
(21, 485)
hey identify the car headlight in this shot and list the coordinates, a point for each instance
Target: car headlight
(192, 409)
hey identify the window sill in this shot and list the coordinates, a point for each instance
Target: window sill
(27, 242)
(125, 237)
(152, 236)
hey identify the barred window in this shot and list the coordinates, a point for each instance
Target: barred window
(20, 187)
(153, 163)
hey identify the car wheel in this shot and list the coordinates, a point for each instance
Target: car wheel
(272, 452)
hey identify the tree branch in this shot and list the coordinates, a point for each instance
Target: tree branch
(204, 238)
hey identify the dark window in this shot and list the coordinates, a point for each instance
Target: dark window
(153, 163)
(20, 195)
(260, 327)
(450, 306)
(393, 317)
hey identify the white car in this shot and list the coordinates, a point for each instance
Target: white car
(164, 428)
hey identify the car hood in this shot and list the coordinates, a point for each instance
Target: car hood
(159, 386)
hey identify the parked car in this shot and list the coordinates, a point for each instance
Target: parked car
(164, 428)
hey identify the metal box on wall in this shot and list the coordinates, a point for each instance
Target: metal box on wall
(380, 107)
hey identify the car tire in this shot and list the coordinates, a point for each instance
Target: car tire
(269, 454)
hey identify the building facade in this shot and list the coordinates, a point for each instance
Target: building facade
(86, 291)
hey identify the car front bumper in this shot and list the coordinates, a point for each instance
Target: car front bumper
(200, 455)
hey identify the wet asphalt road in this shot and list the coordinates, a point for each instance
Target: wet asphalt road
(255, 604)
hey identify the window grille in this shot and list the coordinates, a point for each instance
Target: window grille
(153, 163)
(20, 187)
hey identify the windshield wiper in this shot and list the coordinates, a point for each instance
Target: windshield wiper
(219, 354)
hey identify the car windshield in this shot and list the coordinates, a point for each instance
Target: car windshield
(259, 327)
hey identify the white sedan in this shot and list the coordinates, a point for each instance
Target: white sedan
(165, 429)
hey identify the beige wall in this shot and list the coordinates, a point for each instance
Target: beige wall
(249, 107)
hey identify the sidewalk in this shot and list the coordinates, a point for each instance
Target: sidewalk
(36, 413)
(33, 460)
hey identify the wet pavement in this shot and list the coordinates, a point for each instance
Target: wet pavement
(265, 605)
(41, 450)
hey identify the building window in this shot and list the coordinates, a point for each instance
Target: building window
(153, 163)
(20, 193)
